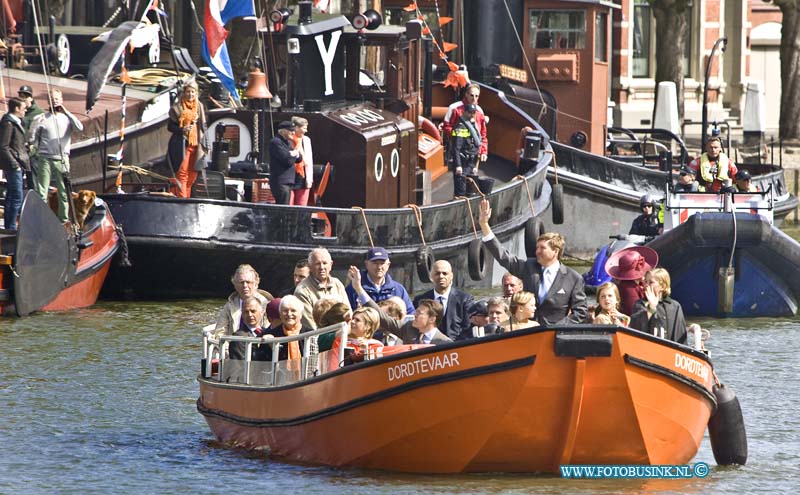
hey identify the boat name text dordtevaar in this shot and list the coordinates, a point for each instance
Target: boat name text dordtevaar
(691, 365)
(423, 365)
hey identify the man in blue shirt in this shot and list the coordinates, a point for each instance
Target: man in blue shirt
(377, 283)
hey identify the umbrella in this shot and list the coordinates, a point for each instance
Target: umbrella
(135, 33)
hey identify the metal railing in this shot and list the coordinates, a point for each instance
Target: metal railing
(271, 374)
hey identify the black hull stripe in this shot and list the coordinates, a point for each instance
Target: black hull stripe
(657, 368)
(362, 401)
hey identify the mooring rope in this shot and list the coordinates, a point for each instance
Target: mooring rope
(366, 224)
(418, 215)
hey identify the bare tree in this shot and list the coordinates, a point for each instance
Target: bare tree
(671, 26)
(790, 69)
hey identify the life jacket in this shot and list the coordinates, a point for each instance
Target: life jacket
(723, 163)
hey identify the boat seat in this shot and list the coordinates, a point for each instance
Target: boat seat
(212, 188)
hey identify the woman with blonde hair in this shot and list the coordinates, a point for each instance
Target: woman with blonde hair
(523, 309)
(607, 311)
(657, 313)
(187, 123)
(363, 324)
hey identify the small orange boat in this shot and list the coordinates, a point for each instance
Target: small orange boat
(526, 401)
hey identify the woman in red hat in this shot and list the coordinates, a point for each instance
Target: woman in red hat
(628, 267)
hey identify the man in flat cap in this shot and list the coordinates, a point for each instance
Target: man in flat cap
(282, 157)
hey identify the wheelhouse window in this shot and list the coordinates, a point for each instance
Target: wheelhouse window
(558, 29)
(601, 37)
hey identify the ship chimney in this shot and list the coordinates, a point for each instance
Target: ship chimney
(305, 12)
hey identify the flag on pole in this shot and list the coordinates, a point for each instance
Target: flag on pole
(214, 49)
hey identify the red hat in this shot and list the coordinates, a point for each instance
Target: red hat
(274, 309)
(631, 263)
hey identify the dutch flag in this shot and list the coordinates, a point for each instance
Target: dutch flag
(215, 51)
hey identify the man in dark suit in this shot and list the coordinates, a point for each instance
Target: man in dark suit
(426, 318)
(455, 323)
(254, 326)
(560, 296)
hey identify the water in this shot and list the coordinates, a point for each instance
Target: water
(102, 401)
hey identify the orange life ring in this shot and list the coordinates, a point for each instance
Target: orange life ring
(428, 127)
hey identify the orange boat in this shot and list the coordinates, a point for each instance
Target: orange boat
(527, 401)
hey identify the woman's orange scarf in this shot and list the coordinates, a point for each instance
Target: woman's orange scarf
(299, 167)
(189, 116)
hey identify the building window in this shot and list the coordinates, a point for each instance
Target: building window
(558, 29)
(601, 37)
(640, 54)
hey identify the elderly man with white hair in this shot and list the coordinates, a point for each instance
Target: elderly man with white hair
(319, 284)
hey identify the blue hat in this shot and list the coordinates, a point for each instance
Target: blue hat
(377, 253)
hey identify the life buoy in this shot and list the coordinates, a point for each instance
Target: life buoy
(476, 260)
(558, 204)
(425, 261)
(429, 128)
(534, 227)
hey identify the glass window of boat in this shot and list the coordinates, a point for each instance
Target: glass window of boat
(558, 29)
(372, 68)
(601, 37)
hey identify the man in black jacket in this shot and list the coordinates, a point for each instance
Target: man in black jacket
(282, 157)
(13, 159)
(455, 323)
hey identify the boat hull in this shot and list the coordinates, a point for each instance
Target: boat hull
(506, 403)
(766, 263)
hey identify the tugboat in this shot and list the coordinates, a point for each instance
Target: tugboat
(374, 189)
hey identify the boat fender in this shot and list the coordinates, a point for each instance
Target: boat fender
(476, 260)
(726, 429)
(725, 284)
(425, 261)
(123, 261)
(534, 227)
(558, 204)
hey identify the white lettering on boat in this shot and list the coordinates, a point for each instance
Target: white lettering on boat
(327, 55)
(360, 117)
(691, 365)
(423, 365)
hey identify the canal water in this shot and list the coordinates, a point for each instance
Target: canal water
(102, 401)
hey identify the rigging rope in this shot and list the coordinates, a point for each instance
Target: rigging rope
(366, 224)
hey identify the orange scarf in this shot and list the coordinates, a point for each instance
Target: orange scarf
(189, 116)
(299, 167)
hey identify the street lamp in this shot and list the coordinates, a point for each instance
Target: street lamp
(723, 41)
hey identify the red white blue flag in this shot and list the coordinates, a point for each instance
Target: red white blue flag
(214, 49)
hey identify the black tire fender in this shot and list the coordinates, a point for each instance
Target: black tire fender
(534, 227)
(425, 261)
(477, 260)
(558, 204)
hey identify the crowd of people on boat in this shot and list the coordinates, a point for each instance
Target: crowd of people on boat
(34, 151)
(378, 311)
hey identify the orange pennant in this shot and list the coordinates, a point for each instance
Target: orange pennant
(410, 7)
(449, 47)
(443, 21)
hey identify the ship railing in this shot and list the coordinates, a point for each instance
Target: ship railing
(216, 365)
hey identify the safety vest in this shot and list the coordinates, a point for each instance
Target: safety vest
(723, 162)
(462, 132)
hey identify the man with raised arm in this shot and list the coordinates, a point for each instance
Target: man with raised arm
(319, 284)
(376, 282)
(560, 296)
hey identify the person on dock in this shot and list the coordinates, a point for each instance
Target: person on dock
(607, 311)
(14, 160)
(245, 281)
(628, 267)
(559, 290)
(304, 169)
(713, 167)
(187, 123)
(426, 321)
(318, 285)
(254, 324)
(647, 224)
(471, 95)
(686, 182)
(376, 282)
(282, 160)
(454, 321)
(33, 110)
(464, 147)
(523, 311)
(657, 313)
(51, 136)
